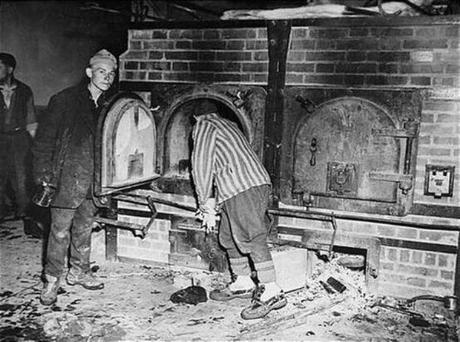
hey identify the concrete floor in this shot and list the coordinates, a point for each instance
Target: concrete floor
(135, 306)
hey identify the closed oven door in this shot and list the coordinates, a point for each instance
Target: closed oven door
(350, 149)
(125, 155)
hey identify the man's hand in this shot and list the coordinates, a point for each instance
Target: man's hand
(208, 215)
(44, 177)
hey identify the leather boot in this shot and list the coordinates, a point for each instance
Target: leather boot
(50, 289)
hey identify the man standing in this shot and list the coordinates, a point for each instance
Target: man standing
(63, 157)
(222, 157)
(17, 124)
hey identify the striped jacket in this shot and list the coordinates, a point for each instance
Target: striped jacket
(223, 157)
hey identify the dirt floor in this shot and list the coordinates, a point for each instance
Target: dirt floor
(135, 306)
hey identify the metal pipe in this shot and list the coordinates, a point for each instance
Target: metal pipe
(310, 214)
(119, 224)
(140, 199)
(342, 197)
(351, 216)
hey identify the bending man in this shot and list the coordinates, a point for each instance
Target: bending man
(222, 157)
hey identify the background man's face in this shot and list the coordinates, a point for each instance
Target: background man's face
(102, 76)
(4, 71)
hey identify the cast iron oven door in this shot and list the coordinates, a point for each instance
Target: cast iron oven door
(354, 150)
(125, 154)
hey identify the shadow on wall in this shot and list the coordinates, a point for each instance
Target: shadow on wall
(53, 40)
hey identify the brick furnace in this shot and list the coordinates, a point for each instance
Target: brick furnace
(356, 119)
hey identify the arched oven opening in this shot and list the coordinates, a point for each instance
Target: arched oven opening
(177, 143)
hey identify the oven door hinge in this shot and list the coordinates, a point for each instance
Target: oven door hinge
(405, 181)
(410, 130)
(395, 132)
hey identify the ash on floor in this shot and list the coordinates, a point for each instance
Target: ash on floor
(135, 305)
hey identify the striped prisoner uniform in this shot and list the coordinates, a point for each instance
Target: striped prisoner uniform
(222, 156)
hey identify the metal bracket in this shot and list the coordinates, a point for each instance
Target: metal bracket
(306, 104)
(390, 177)
(405, 181)
(410, 130)
(395, 132)
(154, 212)
(129, 225)
(239, 97)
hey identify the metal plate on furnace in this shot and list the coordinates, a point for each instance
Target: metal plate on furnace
(342, 179)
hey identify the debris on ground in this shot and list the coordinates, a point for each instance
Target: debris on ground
(135, 305)
(190, 295)
(344, 310)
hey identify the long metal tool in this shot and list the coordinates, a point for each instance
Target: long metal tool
(150, 201)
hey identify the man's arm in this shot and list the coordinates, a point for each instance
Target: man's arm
(45, 141)
(203, 159)
(31, 120)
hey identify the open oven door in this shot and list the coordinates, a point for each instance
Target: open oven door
(125, 154)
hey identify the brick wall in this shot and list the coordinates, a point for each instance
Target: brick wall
(420, 56)
(403, 272)
(156, 246)
(350, 56)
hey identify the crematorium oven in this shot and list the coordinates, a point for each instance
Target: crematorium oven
(350, 117)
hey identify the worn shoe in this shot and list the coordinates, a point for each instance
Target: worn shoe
(50, 289)
(259, 308)
(227, 294)
(85, 279)
(242, 287)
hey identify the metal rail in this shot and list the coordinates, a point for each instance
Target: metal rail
(351, 216)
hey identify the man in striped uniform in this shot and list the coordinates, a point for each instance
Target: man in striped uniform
(223, 160)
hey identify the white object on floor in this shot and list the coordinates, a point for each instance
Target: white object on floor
(290, 268)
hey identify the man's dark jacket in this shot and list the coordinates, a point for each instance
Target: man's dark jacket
(70, 118)
(18, 105)
(15, 144)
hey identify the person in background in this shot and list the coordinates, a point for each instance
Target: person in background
(222, 158)
(63, 159)
(17, 126)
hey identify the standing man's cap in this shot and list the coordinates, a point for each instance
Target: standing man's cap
(103, 56)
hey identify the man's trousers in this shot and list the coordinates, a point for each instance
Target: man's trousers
(70, 228)
(243, 233)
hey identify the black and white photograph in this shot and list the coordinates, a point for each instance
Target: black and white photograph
(198, 170)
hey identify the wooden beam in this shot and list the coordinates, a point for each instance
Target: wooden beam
(278, 32)
(388, 21)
